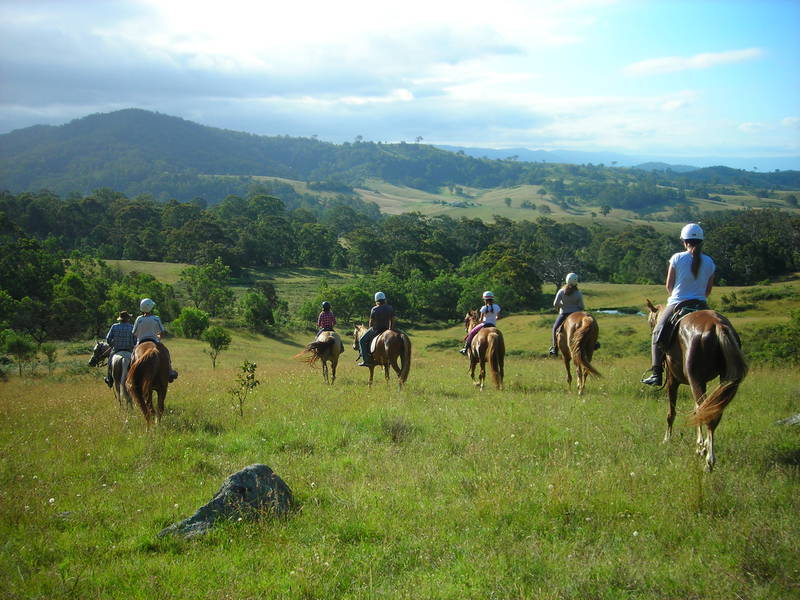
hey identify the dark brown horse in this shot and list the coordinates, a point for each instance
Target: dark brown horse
(149, 373)
(577, 340)
(327, 347)
(705, 346)
(390, 346)
(486, 346)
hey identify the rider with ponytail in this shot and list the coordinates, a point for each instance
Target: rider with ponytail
(567, 301)
(690, 277)
(148, 328)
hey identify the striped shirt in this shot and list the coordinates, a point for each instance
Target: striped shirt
(326, 320)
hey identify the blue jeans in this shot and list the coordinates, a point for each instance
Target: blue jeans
(365, 341)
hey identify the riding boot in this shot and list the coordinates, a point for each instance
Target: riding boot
(656, 379)
(553, 351)
(367, 361)
(465, 348)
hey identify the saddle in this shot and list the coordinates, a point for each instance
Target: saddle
(667, 334)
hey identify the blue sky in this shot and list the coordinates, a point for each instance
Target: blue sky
(656, 78)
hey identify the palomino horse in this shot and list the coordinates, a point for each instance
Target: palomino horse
(486, 346)
(705, 346)
(577, 340)
(119, 369)
(149, 373)
(389, 347)
(327, 347)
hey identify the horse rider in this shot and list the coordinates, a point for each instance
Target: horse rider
(489, 314)
(326, 321)
(120, 338)
(690, 276)
(381, 318)
(148, 327)
(567, 301)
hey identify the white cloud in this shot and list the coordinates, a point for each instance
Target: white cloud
(790, 122)
(671, 64)
(751, 127)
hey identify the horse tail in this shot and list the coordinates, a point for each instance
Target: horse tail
(579, 342)
(405, 368)
(733, 373)
(140, 377)
(495, 353)
(314, 351)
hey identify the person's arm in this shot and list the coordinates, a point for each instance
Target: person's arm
(110, 336)
(557, 300)
(371, 318)
(162, 332)
(319, 320)
(709, 285)
(670, 279)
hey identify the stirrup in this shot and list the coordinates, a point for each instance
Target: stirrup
(656, 379)
(553, 351)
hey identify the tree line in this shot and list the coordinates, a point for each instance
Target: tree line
(54, 285)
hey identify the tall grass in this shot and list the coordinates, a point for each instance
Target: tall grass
(438, 491)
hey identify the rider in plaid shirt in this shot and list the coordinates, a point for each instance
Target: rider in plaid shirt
(326, 320)
(120, 338)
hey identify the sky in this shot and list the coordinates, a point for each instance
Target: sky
(648, 77)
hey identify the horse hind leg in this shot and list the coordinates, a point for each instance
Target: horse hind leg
(699, 392)
(325, 371)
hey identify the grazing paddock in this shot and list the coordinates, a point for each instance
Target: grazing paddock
(435, 491)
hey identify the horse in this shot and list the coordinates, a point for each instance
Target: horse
(390, 346)
(487, 346)
(576, 340)
(149, 372)
(119, 369)
(705, 346)
(327, 347)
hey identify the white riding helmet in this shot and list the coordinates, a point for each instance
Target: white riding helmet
(488, 294)
(692, 231)
(572, 278)
(380, 296)
(146, 305)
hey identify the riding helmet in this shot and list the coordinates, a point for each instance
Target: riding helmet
(572, 279)
(487, 294)
(326, 305)
(380, 296)
(146, 305)
(692, 231)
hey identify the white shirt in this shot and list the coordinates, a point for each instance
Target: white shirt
(490, 318)
(687, 286)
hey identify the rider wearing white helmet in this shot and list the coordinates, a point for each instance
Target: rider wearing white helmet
(490, 312)
(567, 301)
(381, 318)
(148, 327)
(690, 276)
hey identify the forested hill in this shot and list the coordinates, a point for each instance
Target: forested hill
(139, 152)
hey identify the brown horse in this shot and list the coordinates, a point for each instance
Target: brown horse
(389, 347)
(487, 346)
(149, 372)
(705, 346)
(577, 340)
(327, 347)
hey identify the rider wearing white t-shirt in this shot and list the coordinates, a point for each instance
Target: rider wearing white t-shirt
(690, 277)
(489, 314)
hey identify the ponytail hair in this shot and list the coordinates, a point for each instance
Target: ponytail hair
(695, 247)
(569, 288)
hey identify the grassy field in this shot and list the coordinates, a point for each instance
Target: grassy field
(437, 491)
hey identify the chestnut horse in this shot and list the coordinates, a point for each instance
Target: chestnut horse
(327, 347)
(119, 369)
(705, 346)
(577, 340)
(149, 373)
(487, 346)
(389, 347)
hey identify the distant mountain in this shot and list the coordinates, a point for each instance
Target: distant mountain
(613, 159)
(660, 166)
(140, 152)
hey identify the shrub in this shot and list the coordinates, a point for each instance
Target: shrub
(218, 339)
(191, 323)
